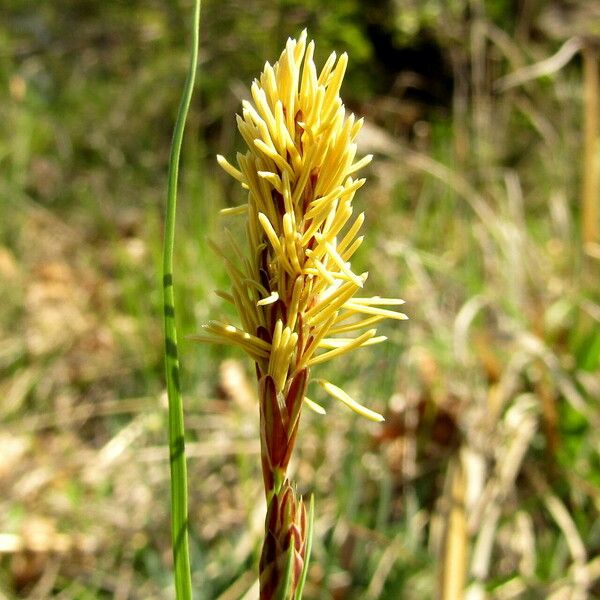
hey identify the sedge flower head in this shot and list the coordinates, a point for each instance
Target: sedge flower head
(294, 289)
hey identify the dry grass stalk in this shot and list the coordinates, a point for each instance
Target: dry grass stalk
(294, 290)
(456, 540)
(591, 174)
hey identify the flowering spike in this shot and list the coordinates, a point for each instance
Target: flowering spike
(295, 289)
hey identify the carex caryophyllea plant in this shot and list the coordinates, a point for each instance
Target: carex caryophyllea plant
(293, 288)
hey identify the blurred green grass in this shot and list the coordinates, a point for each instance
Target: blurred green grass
(472, 217)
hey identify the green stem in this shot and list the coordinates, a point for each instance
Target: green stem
(179, 500)
(309, 541)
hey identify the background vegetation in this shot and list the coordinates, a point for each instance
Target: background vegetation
(486, 473)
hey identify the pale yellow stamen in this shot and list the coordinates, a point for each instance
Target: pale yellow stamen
(314, 406)
(229, 168)
(272, 298)
(294, 304)
(354, 246)
(378, 301)
(326, 69)
(351, 233)
(234, 210)
(275, 242)
(225, 295)
(344, 342)
(273, 179)
(323, 310)
(317, 337)
(355, 343)
(374, 310)
(357, 325)
(221, 333)
(320, 268)
(341, 395)
(363, 162)
(343, 266)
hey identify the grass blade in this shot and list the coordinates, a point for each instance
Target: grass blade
(179, 501)
(283, 589)
(309, 540)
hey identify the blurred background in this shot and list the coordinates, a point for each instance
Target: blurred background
(484, 481)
